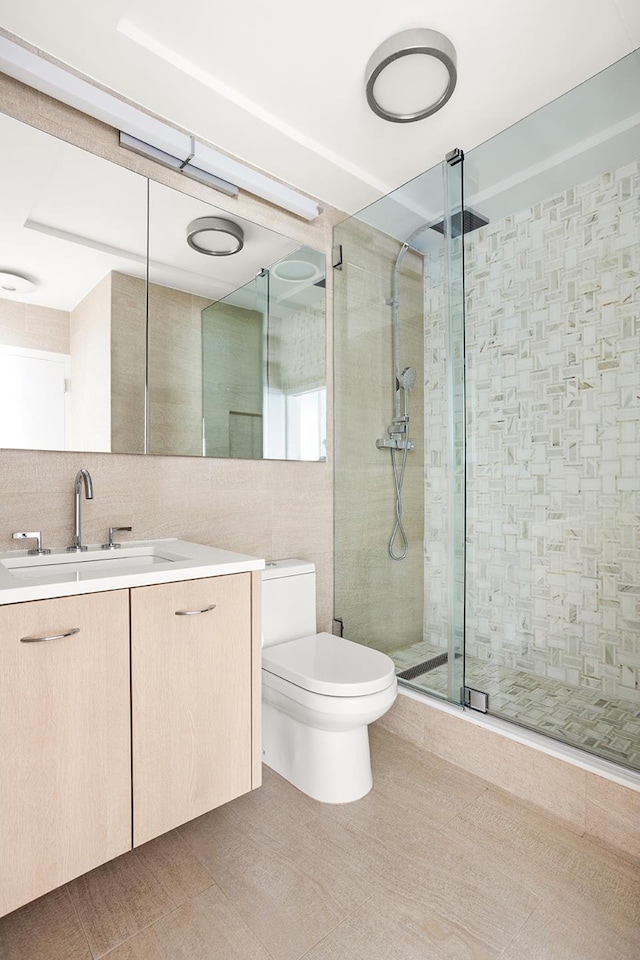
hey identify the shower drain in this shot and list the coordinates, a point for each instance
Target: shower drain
(424, 667)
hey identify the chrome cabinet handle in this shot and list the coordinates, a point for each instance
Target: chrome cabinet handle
(55, 636)
(193, 613)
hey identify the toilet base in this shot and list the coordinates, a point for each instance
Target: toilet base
(333, 766)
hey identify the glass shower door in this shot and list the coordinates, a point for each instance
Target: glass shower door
(399, 445)
(553, 419)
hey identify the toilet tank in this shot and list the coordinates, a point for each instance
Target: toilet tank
(288, 601)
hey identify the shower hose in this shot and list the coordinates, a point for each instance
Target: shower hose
(398, 530)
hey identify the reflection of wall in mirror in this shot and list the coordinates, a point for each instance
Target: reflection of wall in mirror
(232, 387)
(103, 339)
(175, 372)
(90, 338)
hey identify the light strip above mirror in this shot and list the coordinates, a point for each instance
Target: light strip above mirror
(153, 137)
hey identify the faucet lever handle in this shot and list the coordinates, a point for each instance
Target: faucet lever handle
(115, 546)
(36, 535)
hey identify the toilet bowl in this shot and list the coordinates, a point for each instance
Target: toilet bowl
(319, 692)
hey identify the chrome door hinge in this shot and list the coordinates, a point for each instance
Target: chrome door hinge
(338, 627)
(475, 699)
(336, 256)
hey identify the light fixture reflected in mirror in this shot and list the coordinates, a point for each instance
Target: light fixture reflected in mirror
(295, 271)
(215, 236)
(411, 75)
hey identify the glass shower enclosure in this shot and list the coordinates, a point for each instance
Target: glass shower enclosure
(487, 423)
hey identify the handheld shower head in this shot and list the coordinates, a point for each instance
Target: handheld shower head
(408, 378)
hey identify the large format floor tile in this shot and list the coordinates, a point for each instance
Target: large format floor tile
(206, 928)
(47, 929)
(122, 897)
(434, 864)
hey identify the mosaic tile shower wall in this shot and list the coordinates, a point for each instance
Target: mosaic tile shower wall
(553, 425)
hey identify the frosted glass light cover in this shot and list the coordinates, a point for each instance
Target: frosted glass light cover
(411, 75)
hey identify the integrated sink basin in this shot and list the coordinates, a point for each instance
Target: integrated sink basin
(86, 566)
(141, 563)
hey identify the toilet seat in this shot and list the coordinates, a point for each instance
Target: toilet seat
(331, 666)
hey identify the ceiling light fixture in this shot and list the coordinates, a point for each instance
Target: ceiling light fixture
(13, 283)
(215, 236)
(149, 136)
(411, 75)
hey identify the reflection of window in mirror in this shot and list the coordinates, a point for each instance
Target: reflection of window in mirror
(306, 426)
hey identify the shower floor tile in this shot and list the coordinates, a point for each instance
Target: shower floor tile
(584, 718)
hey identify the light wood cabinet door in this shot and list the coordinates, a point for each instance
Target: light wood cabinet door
(192, 698)
(65, 760)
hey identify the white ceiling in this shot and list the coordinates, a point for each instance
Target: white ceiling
(280, 85)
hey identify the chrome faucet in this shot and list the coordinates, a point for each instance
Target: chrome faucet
(81, 476)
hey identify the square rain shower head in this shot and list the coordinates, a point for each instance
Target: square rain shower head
(470, 221)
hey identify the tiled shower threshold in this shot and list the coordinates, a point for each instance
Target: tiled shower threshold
(606, 727)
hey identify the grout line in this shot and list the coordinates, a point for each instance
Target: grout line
(333, 929)
(138, 932)
(538, 905)
(80, 923)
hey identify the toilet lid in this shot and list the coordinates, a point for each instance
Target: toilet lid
(330, 665)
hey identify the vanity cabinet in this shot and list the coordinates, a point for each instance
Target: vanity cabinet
(123, 714)
(65, 760)
(191, 669)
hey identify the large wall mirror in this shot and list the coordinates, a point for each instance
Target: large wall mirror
(126, 326)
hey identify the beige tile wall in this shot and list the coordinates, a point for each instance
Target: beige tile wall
(90, 394)
(175, 371)
(34, 328)
(128, 346)
(232, 345)
(269, 508)
(369, 584)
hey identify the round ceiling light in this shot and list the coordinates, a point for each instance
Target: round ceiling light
(215, 236)
(14, 283)
(411, 75)
(295, 271)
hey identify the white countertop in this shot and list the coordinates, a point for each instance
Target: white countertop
(136, 564)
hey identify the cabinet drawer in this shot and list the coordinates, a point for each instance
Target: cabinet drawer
(191, 683)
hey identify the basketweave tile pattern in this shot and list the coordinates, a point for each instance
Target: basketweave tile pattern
(553, 433)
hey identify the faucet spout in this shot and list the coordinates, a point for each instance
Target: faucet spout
(83, 478)
(84, 475)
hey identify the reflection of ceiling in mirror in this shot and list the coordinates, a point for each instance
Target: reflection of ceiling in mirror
(170, 213)
(286, 296)
(67, 218)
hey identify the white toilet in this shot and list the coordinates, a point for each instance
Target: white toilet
(319, 692)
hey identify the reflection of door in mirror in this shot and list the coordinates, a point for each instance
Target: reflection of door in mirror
(33, 399)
